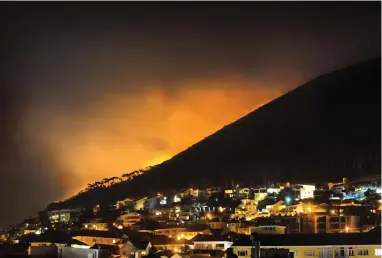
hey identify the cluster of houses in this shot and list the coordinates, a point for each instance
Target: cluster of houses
(290, 220)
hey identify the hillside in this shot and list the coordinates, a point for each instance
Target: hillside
(323, 130)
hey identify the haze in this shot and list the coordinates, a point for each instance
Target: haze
(98, 90)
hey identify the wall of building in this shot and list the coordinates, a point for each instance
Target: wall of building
(49, 251)
(318, 251)
(219, 245)
(268, 230)
(69, 252)
(92, 240)
(95, 226)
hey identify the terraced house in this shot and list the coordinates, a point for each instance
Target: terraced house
(316, 245)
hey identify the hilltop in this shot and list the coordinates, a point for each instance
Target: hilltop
(325, 129)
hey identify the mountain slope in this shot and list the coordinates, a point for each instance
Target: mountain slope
(323, 130)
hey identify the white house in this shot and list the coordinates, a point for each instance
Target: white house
(211, 242)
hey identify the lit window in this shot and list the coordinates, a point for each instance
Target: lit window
(309, 253)
(242, 253)
(378, 252)
(363, 252)
(114, 241)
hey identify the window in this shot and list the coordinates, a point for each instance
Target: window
(363, 252)
(242, 253)
(309, 253)
(378, 252)
(342, 251)
(219, 246)
(351, 251)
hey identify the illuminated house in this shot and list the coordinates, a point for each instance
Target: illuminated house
(260, 194)
(157, 201)
(268, 229)
(211, 242)
(304, 191)
(316, 245)
(247, 207)
(191, 232)
(169, 232)
(214, 190)
(292, 224)
(316, 223)
(96, 225)
(160, 214)
(183, 232)
(181, 213)
(242, 193)
(228, 193)
(64, 216)
(99, 237)
(216, 224)
(135, 248)
(162, 242)
(129, 219)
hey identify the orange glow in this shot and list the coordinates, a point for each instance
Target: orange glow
(123, 132)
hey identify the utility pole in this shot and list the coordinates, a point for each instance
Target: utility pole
(255, 249)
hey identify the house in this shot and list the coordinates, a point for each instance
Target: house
(67, 252)
(216, 223)
(268, 229)
(123, 203)
(212, 242)
(91, 237)
(64, 216)
(135, 204)
(135, 247)
(192, 231)
(129, 219)
(31, 225)
(96, 225)
(214, 190)
(242, 193)
(235, 225)
(246, 208)
(180, 213)
(292, 224)
(259, 194)
(316, 245)
(169, 231)
(161, 242)
(323, 223)
(47, 239)
(160, 214)
(157, 201)
(303, 191)
(183, 231)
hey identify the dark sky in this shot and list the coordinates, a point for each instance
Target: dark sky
(92, 90)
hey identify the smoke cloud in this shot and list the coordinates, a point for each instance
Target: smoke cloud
(97, 91)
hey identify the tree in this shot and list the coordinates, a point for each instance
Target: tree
(230, 254)
(186, 249)
(152, 252)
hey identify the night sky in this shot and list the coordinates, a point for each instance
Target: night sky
(93, 90)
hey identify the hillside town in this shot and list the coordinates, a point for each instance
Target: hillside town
(338, 219)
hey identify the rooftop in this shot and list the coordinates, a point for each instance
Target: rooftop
(370, 238)
(211, 238)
